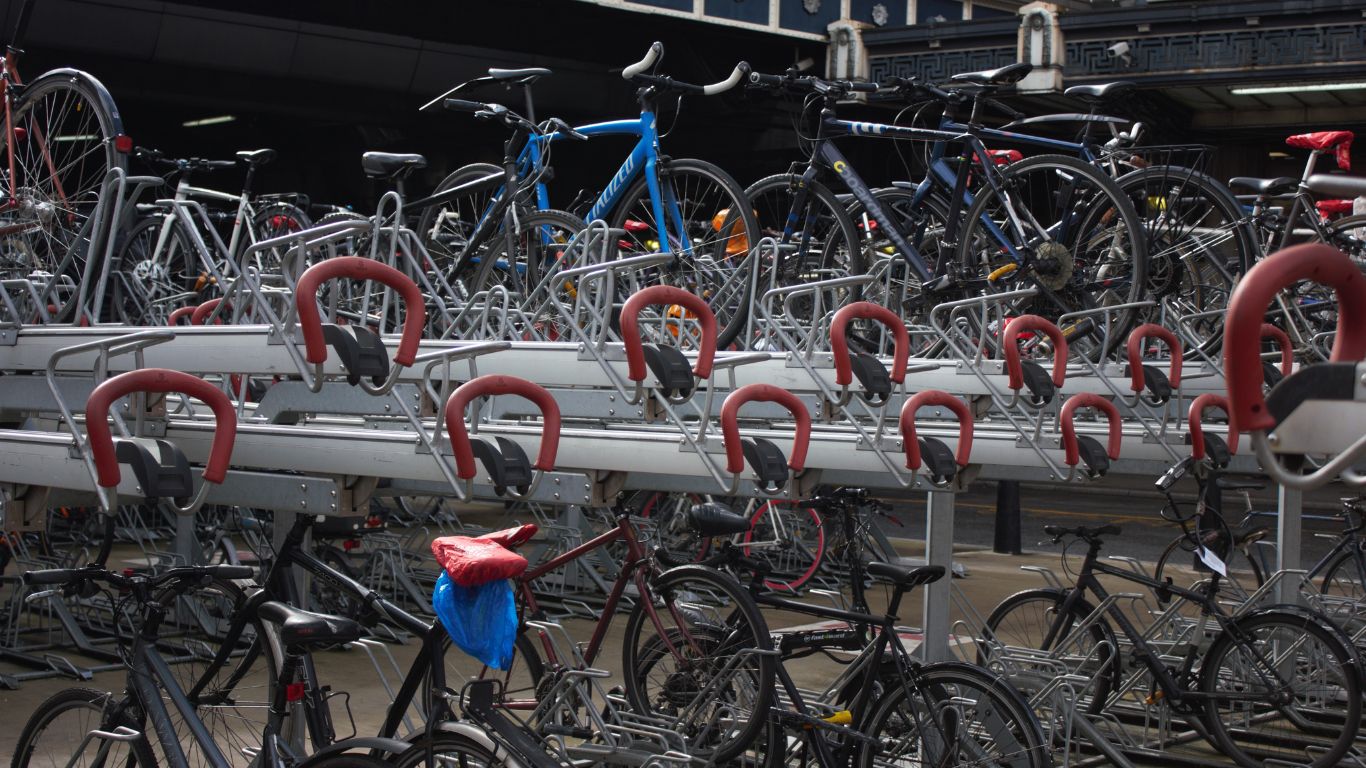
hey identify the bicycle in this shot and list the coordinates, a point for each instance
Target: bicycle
(689, 208)
(121, 722)
(1079, 242)
(885, 706)
(1264, 687)
(63, 134)
(694, 650)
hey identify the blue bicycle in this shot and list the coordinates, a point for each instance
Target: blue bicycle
(689, 208)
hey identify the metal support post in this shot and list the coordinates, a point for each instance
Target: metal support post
(186, 546)
(1007, 540)
(1289, 534)
(938, 551)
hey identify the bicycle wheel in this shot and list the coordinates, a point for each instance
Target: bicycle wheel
(688, 659)
(1081, 244)
(673, 527)
(958, 715)
(276, 220)
(65, 126)
(897, 286)
(1024, 620)
(821, 232)
(233, 698)
(79, 536)
(445, 229)
(351, 761)
(1348, 234)
(791, 539)
(1284, 690)
(539, 242)
(59, 725)
(1199, 242)
(1343, 577)
(449, 750)
(715, 215)
(146, 284)
(1244, 573)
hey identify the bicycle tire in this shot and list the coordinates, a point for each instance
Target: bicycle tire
(448, 749)
(445, 228)
(1343, 577)
(146, 287)
(731, 621)
(232, 699)
(796, 563)
(272, 220)
(30, 753)
(347, 761)
(1328, 719)
(1007, 731)
(1033, 609)
(58, 186)
(1199, 242)
(1107, 236)
(1239, 562)
(896, 285)
(1348, 234)
(710, 271)
(828, 245)
(540, 240)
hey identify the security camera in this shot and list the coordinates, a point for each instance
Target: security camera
(1119, 50)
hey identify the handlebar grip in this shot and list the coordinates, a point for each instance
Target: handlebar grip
(651, 56)
(358, 268)
(839, 345)
(759, 78)
(1135, 350)
(1012, 350)
(665, 294)
(233, 572)
(494, 384)
(1320, 263)
(52, 576)
(461, 105)
(736, 76)
(1109, 529)
(220, 163)
(861, 87)
(157, 380)
(1054, 530)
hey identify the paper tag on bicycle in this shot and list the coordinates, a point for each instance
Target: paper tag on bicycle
(1212, 562)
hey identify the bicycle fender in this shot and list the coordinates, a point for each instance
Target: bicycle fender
(366, 743)
(102, 93)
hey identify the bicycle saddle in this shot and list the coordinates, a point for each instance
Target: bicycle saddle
(1007, 75)
(301, 629)
(388, 165)
(1337, 186)
(255, 157)
(1099, 91)
(906, 577)
(713, 519)
(1278, 186)
(527, 75)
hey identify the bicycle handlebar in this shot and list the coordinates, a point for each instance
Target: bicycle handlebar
(651, 56)
(1082, 532)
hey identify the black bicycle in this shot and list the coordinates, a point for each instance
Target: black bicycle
(1271, 687)
(885, 706)
(81, 726)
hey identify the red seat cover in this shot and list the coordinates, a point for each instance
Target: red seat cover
(471, 562)
(1341, 141)
(1328, 208)
(513, 537)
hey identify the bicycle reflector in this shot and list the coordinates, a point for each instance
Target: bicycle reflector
(123, 143)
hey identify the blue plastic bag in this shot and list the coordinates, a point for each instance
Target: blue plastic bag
(481, 620)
